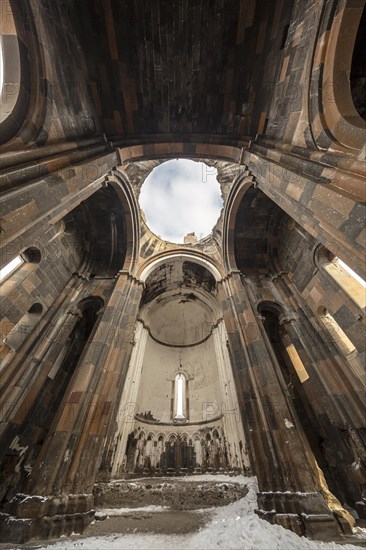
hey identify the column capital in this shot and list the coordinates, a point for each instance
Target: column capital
(74, 311)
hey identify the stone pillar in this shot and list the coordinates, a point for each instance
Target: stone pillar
(338, 382)
(99, 431)
(65, 471)
(336, 395)
(334, 377)
(29, 419)
(127, 405)
(289, 488)
(231, 417)
(22, 375)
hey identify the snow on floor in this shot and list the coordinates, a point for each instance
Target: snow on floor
(231, 527)
(114, 512)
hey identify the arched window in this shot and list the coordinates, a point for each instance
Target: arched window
(180, 383)
(9, 63)
(337, 66)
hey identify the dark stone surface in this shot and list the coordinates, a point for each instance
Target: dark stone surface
(184, 495)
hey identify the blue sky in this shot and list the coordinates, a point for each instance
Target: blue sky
(181, 196)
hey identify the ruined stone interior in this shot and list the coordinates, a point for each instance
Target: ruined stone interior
(125, 356)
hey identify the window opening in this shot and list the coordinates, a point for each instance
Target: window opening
(179, 412)
(297, 363)
(9, 268)
(348, 280)
(351, 272)
(10, 63)
(180, 397)
(284, 36)
(340, 338)
(357, 76)
(31, 255)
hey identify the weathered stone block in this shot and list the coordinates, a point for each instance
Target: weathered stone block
(320, 526)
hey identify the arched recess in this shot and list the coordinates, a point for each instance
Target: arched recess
(334, 119)
(23, 105)
(358, 70)
(38, 407)
(132, 218)
(330, 445)
(180, 331)
(239, 188)
(30, 255)
(106, 228)
(250, 230)
(10, 65)
(190, 255)
(318, 281)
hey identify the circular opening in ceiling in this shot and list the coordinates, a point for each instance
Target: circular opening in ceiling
(180, 197)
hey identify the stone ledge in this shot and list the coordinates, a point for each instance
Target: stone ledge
(304, 513)
(21, 530)
(37, 506)
(320, 526)
(178, 495)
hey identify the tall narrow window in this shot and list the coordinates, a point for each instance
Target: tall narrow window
(339, 337)
(351, 272)
(180, 397)
(347, 279)
(179, 411)
(9, 268)
(31, 255)
(284, 36)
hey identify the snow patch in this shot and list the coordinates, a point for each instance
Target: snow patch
(114, 512)
(23, 498)
(231, 527)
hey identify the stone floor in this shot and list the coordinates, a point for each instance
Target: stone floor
(175, 510)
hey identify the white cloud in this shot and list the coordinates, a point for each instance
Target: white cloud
(181, 196)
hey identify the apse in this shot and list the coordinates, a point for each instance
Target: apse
(182, 420)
